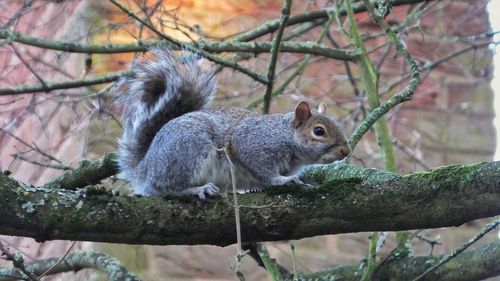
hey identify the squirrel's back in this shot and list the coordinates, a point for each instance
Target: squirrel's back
(157, 91)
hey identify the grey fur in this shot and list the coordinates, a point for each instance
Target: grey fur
(171, 144)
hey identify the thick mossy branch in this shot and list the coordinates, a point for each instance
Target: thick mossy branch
(349, 199)
(471, 265)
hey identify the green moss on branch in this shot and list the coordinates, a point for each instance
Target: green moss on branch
(349, 199)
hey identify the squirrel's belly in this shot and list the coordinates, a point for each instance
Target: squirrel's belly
(245, 182)
(215, 169)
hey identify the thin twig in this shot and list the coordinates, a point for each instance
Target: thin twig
(18, 13)
(239, 251)
(299, 68)
(211, 57)
(428, 66)
(41, 164)
(59, 261)
(411, 154)
(59, 85)
(400, 97)
(285, 14)
(34, 147)
(28, 66)
(294, 262)
(235, 201)
(431, 242)
(352, 81)
(489, 227)
(325, 13)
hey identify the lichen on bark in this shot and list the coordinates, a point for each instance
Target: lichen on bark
(348, 199)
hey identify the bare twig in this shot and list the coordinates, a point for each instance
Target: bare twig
(273, 25)
(294, 261)
(489, 227)
(211, 57)
(432, 242)
(50, 86)
(428, 66)
(411, 154)
(59, 261)
(41, 164)
(285, 14)
(299, 69)
(28, 66)
(239, 250)
(400, 97)
(18, 13)
(34, 147)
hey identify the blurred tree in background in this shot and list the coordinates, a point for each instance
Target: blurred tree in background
(421, 68)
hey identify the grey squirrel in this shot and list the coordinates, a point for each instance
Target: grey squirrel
(171, 143)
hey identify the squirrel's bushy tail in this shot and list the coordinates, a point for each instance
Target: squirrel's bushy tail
(157, 91)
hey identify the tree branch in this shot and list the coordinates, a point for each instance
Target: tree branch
(209, 46)
(172, 41)
(203, 48)
(73, 262)
(89, 173)
(350, 199)
(447, 258)
(50, 86)
(18, 263)
(275, 49)
(273, 25)
(481, 263)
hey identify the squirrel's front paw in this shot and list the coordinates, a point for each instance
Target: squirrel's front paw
(300, 183)
(203, 191)
(295, 181)
(291, 180)
(209, 189)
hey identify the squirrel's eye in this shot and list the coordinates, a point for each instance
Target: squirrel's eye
(319, 131)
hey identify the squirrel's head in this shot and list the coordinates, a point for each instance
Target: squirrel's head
(322, 139)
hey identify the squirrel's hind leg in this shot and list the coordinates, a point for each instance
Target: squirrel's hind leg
(209, 189)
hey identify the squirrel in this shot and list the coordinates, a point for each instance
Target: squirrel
(171, 143)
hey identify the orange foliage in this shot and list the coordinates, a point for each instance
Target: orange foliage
(184, 20)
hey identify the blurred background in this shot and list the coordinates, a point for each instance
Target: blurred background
(450, 119)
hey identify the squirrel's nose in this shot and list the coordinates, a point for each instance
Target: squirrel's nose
(345, 151)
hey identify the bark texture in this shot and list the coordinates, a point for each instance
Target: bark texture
(348, 199)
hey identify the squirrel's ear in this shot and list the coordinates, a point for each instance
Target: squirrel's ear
(322, 108)
(302, 113)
